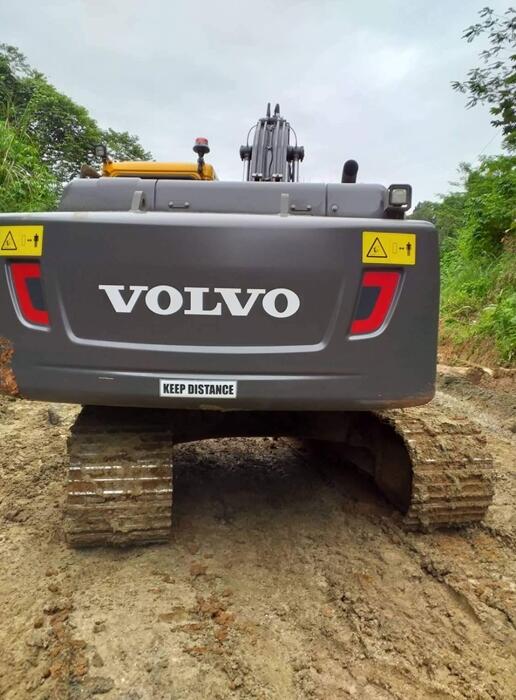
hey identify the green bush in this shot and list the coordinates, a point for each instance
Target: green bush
(477, 227)
(25, 183)
(490, 207)
(478, 256)
(478, 301)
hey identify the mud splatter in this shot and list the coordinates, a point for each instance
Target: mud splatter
(8, 383)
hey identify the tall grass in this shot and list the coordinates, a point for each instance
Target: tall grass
(25, 183)
(478, 258)
(478, 301)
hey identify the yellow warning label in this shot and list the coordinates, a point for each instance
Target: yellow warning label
(21, 241)
(388, 248)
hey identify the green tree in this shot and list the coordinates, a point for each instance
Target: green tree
(63, 131)
(446, 215)
(494, 83)
(123, 146)
(489, 207)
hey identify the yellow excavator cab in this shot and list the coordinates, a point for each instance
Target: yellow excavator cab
(168, 171)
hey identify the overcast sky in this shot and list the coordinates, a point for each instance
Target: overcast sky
(359, 78)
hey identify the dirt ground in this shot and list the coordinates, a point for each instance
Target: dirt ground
(287, 577)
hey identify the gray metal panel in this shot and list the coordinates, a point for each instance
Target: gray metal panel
(106, 194)
(355, 200)
(115, 194)
(93, 355)
(239, 197)
(256, 392)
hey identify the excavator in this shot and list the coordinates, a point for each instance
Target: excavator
(174, 307)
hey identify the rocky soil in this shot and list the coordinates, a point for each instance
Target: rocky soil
(287, 577)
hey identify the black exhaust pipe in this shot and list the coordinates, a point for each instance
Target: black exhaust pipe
(350, 171)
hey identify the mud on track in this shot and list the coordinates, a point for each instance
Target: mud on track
(287, 577)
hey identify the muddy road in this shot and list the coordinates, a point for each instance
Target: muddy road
(287, 577)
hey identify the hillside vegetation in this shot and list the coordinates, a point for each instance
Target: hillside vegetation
(477, 225)
(45, 137)
(477, 222)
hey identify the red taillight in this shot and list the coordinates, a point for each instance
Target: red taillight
(26, 278)
(376, 295)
